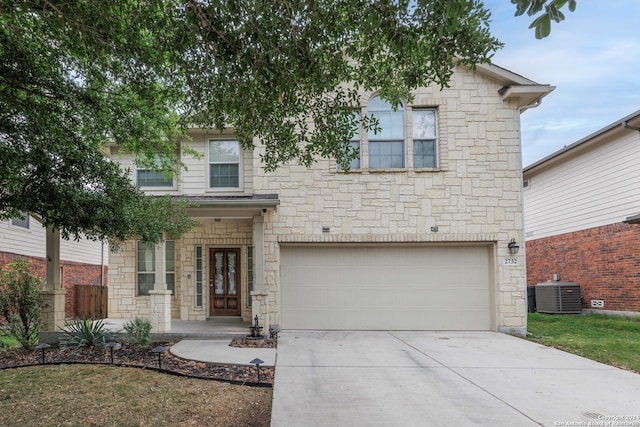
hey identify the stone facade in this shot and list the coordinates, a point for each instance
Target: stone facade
(473, 196)
(124, 301)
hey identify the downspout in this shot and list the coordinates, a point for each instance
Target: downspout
(102, 264)
(524, 239)
(102, 315)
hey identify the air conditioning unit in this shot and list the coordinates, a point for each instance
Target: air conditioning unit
(558, 298)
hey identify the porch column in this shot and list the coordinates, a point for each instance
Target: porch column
(259, 294)
(160, 295)
(258, 252)
(53, 294)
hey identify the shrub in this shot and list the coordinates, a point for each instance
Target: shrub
(85, 333)
(139, 332)
(20, 303)
(6, 340)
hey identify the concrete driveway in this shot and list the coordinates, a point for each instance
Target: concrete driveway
(443, 379)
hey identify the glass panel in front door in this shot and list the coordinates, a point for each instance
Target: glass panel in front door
(219, 273)
(231, 273)
(224, 281)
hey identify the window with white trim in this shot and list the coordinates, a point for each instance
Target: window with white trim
(146, 263)
(146, 260)
(386, 146)
(199, 270)
(354, 142)
(21, 221)
(224, 163)
(170, 268)
(152, 177)
(425, 139)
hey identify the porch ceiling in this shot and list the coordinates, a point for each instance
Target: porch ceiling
(230, 206)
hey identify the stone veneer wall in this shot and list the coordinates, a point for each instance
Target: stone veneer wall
(475, 195)
(123, 301)
(223, 234)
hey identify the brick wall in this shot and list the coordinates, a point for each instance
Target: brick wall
(604, 261)
(73, 273)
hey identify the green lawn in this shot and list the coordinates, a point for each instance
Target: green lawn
(614, 340)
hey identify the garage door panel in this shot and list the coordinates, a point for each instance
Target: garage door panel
(378, 287)
(300, 296)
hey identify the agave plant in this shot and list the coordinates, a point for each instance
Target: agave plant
(85, 333)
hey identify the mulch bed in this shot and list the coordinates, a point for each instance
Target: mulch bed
(132, 356)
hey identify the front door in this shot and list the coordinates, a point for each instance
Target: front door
(224, 282)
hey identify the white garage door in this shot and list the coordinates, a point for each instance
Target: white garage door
(385, 288)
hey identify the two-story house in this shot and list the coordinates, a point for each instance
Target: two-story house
(582, 210)
(415, 237)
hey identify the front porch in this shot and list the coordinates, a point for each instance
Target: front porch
(214, 271)
(212, 328)
(217, 328)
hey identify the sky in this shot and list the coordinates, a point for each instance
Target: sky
(593, 59)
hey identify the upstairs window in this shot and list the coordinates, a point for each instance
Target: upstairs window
(152, 177)
(354, 142)
(224, 164)
(424, 138)
(21, 221)
(386, 148)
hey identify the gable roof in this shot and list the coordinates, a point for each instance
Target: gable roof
(525, 92)
(631, 122)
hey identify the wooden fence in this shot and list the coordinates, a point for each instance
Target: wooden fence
(90, 301)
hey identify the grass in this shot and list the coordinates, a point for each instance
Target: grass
(614, 340)
(93, 395)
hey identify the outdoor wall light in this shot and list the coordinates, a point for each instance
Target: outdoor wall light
(513, 247)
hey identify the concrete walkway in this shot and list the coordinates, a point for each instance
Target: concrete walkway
(443, 379)
(219, 351)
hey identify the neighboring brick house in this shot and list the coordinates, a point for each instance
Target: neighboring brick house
(581, 215)
(82, 262)
(415, 237)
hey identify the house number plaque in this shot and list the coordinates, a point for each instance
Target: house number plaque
(511, 261)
